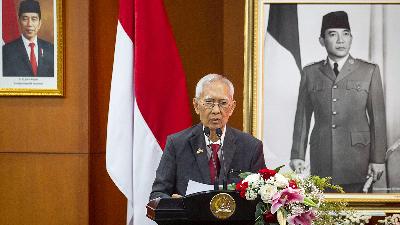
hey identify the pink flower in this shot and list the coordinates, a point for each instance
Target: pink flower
(284, 197)
(305, 218)
(267, 173)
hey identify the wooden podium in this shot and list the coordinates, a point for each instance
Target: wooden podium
(203, 208)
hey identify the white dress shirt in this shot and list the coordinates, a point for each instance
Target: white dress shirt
(340, 62)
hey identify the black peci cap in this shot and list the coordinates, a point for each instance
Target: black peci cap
(29, 6)
(338, 19)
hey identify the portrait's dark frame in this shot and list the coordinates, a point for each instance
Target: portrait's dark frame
(381, 202)
(42, 86)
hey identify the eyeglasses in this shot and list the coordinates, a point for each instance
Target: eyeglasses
(210, 103)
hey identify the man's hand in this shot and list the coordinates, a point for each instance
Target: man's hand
(298, 165)
(375, 170)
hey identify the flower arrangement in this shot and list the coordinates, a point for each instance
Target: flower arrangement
(391, 220)
(352, 218)
(288, 198)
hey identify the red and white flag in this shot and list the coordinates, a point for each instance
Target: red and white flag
(148, 101)
(9, 21)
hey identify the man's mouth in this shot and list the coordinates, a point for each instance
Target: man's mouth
(215, 120)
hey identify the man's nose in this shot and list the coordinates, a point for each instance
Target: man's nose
(215, 108)
(340, 39)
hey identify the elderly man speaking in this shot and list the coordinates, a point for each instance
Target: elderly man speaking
(209, 152)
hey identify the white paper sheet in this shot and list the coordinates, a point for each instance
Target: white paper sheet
(194, 187)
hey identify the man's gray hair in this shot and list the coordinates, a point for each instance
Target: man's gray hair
(209, 78)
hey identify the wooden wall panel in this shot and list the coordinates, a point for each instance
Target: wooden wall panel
(43, 189)
(233, 52)
(102, 58)
(107, 203)
(197, 27)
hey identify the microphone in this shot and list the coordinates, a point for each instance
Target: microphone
(218, 131)
(206, 131)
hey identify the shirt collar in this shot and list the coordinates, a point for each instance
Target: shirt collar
(26, 41)
(209, 142)
(340, 62)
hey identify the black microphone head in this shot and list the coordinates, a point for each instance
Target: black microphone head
(206, 131)
(218, 131)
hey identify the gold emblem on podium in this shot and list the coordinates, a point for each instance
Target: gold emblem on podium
(222, 206)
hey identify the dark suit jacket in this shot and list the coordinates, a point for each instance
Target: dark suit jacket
(182, 161)
(350, 125)
(16, 60)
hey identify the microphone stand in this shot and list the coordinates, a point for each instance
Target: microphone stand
(224, 180)
(216, 180)
(223, 169)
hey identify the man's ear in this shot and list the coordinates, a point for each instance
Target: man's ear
(232, 107)
(196, 106)
(322, 41)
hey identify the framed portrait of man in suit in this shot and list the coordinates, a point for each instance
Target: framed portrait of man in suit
(32, 48)
(321, 92)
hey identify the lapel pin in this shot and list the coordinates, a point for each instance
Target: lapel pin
(199, 151)
(41, 51)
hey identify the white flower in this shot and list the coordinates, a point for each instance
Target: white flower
(281, 181)
(271, 181)
(251, 195)
(266, 192)
(253, 180)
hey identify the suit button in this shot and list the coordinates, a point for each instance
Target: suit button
(334, 100)
(334, 113)
(334, 86)
(333, 126)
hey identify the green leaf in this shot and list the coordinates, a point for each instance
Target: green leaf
(260, 209)
(279, 168)
(259, 222)
(324, 183)
(244, 175)
(309, 202)
(231, 187)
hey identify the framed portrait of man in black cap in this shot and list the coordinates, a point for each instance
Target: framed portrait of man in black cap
(324, 94)
(31, 53)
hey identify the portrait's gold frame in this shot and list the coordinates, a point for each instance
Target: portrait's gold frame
(380, 203)
(60, 90)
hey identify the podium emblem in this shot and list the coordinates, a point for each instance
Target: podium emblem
(222, 206)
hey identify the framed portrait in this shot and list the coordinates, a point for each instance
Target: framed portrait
(32, 53)
(290, 104)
